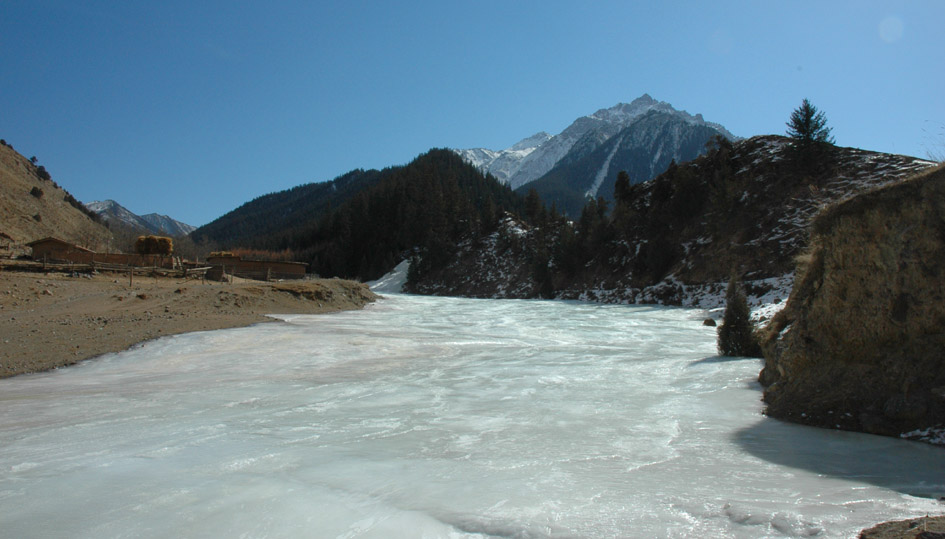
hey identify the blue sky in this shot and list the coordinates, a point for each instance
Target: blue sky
(193, 108)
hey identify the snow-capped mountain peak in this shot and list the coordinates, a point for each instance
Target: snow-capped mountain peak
(152, 223)
(531, 142)
(533, 157)
(623, 113)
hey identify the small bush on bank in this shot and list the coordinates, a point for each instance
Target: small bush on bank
(736, 334)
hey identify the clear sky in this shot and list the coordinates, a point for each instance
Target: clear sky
(191, 108)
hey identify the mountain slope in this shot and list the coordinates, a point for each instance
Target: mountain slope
(267, 218)
(366, 222)
(743, 208)
(535, 156)
(504, 164)
(119, 216)
(32, 206)
(643, 149)
(166, 225)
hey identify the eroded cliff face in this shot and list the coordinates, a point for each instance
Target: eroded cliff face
(861, 342)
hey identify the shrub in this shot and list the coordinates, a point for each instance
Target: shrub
(736, 334)
(36, 192)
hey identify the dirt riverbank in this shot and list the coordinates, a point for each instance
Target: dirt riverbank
(50, 320)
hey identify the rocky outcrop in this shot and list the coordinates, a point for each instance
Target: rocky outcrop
(860, 344)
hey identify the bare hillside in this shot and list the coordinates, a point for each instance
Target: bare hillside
(32, 207)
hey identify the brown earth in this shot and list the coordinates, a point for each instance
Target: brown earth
(32, 208)
(859, 344)
(50, 320)
(913, 528)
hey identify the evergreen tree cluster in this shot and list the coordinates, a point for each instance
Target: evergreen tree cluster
(268, 222)
(422, 209)
(362, 224)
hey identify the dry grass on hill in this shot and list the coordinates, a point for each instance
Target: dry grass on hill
(31, 208)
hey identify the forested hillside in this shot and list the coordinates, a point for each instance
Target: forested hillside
(743, 207)
(270, 220)
(362, 224)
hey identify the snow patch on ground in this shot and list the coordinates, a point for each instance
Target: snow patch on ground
(931, 435)
(393, 282)
(765, 296)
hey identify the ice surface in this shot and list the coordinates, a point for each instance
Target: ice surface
(438, 417)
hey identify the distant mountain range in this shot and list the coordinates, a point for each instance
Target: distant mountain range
(641, 137)
(153, 223)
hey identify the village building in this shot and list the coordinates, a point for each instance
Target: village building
(57, 250)
(260, 270)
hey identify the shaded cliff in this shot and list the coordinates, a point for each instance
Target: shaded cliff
(861, 342)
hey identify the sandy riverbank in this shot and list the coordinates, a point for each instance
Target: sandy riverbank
(53, 320)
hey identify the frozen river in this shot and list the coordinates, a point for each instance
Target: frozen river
(435, 417)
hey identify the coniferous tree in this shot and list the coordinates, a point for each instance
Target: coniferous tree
(809, 125)
(736, 334)
(622, 187)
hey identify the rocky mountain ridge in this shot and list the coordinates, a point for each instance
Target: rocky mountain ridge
(152, 223)
(534, 157)
(644, 148)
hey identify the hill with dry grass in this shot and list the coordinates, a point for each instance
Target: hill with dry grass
(859, 344)
(32, 206)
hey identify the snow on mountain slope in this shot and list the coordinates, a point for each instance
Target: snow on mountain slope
(152, 222)
(535, 156)
(603, 172)
(168, 225)
(504, 164)
(643, 148)
(113, 211)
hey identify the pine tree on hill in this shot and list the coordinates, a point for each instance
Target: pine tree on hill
(812, 146)
(809, 125)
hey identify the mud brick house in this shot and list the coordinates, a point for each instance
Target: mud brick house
(261, 270)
